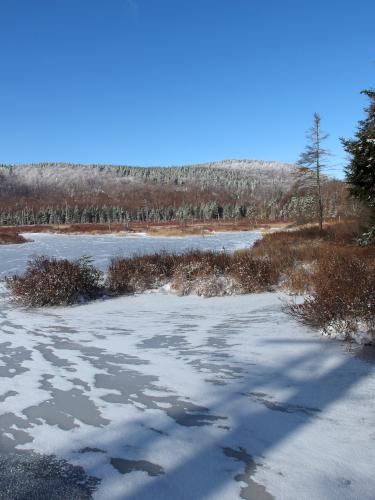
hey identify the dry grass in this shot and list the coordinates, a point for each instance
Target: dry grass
(168, 228)
(178, 231)
(289, 249)
(11, 238)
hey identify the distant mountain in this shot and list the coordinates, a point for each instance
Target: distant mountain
(238, 175)
(228, 188)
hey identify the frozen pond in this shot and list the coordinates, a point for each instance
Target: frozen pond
(163, 397)
(102, 247)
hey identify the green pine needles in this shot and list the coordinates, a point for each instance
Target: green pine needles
(360, 172)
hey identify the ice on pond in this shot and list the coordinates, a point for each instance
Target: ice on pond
(158, 396)
(101, 248)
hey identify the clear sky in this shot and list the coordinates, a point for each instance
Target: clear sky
(151, 82)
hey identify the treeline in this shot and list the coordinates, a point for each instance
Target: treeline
(66, 194)
(295, 207)
(104, 214)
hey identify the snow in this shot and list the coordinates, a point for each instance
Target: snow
(171, 397)
(13, 258)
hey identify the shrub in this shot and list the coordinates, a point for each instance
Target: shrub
(48, 281)
(343, 294)
(297, 280)
(252, 274)
(285, 250)
(201, 273)
(139, 273)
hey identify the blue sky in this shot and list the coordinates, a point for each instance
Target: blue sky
(151, 82)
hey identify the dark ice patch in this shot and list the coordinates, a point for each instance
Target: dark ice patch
(79, 382)
(253, 490)
(6, 395)
(283, 407)
(13, 358)
(125, 466)
(51, 357)
(130, 386)
(12, 432)
(88, 449)
(163, 341)
(64, 408)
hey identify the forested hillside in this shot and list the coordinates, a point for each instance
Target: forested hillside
(66, 193)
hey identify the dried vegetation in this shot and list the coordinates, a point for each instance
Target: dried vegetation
(49, 281)
(335, 275)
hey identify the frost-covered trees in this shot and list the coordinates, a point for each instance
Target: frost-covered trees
(65, 193)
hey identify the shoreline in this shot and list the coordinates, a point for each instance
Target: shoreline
(16, 234)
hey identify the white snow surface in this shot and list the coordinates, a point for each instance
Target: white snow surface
(102, 247)
(165, 397)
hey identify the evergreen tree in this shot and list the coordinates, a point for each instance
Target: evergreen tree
(360, 172)
(313, 158)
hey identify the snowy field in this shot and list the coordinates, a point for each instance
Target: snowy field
(163, 397)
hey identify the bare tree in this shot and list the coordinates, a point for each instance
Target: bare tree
(313, 159)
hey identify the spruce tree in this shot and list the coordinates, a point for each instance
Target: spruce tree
(360, 172)
(313, 159)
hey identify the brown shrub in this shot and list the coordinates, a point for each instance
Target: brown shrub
(201, 273)
(48, 281)
(343, 293)
(139, 273)
(252, 274)
(297, 280)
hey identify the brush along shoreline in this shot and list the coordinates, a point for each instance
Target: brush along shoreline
(334, 275)
(171, 229)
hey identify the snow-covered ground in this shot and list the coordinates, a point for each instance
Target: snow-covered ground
(164, 397)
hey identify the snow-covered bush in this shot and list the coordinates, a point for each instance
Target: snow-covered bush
(201, 273)
(48, 281)
(210, 274)
(139, 273)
